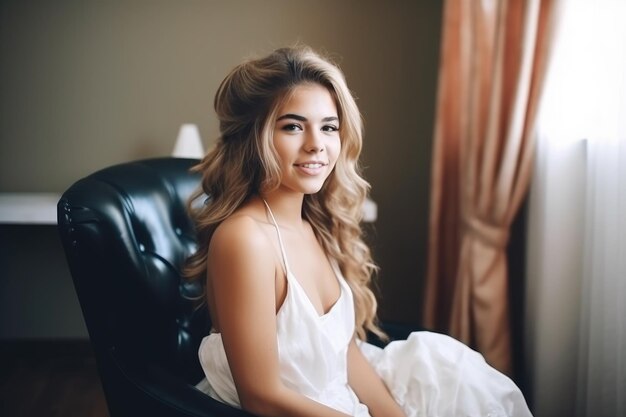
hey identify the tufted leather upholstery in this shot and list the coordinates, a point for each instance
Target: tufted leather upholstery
(126, 233)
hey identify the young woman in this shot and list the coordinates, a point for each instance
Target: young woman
(287, 272)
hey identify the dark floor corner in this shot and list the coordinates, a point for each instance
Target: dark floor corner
(49, 378)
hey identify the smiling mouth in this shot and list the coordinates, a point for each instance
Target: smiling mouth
(312, 165)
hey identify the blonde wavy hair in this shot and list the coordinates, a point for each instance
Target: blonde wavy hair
(243, 163)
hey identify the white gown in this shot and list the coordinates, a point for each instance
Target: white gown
(428, 374)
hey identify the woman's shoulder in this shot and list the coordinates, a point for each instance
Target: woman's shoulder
(242, 233)
(239, 228)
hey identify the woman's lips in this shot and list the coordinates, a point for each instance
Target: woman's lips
(311, 168)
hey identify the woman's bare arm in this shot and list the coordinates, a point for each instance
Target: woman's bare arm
(242, 267)
(368, 386)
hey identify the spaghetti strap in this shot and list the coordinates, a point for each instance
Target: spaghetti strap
(280, 239)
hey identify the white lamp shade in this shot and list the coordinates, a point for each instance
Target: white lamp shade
(188, 143)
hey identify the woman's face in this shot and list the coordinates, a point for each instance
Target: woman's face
(306, 138)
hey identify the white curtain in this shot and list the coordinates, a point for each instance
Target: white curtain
(575, 335)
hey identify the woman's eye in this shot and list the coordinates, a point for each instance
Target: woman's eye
(292, 127)
(330, 128)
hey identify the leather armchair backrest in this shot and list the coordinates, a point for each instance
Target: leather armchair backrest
(126, 234)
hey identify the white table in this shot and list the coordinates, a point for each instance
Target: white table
(29, 208)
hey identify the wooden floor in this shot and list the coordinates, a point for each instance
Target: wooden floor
(49, 378)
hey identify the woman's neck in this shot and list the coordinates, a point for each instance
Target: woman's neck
(287, 208)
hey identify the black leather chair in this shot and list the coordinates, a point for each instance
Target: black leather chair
(126, 234)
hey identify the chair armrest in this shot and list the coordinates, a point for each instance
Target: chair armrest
(150, 389)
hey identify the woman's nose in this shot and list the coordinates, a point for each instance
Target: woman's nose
(314, 142)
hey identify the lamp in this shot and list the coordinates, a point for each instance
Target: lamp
(188, 142)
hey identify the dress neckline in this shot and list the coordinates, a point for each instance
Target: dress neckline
(292, 280)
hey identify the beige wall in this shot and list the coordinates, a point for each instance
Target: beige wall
(85, 84)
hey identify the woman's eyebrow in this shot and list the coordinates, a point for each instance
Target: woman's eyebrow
(292, 116)
(304, 119)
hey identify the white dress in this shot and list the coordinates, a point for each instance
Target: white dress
(428, 374)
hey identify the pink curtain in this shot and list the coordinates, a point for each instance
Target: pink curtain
(492, 66)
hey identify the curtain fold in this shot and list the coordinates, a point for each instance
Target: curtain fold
(492, 67)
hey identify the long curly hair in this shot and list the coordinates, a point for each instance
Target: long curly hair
(243, 162)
